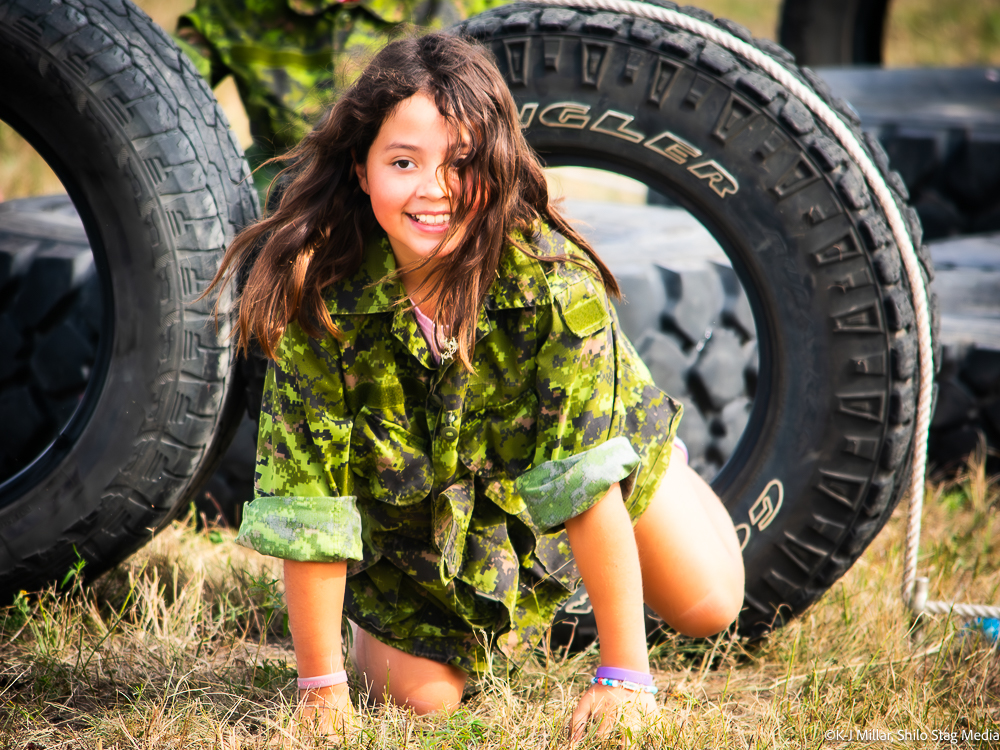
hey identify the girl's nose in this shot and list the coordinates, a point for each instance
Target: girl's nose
(433, 187)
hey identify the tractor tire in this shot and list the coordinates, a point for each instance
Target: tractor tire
(827, 448)
(834, 32)
(940, 128)
(50, 323)
(129, 425)
(967, 411)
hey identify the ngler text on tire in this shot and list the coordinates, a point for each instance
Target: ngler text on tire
(827, 448)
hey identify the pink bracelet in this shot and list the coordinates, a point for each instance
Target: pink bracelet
(322, 681)
(680, 445)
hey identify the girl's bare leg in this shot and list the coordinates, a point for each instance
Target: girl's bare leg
(692, 568)
(421, 684)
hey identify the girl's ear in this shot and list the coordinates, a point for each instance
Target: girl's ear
(361, 170)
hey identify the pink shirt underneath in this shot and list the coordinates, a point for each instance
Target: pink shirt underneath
(427, 327)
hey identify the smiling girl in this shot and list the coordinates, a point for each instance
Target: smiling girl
(454, 431)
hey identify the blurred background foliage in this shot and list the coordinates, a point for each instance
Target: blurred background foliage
(919, 32)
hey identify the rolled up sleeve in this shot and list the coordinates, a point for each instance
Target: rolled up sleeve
(580, 451)
(558, 490)
(308, 529)
(303, 507)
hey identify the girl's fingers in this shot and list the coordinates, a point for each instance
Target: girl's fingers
(578, 722)
(326, 711)
(613, 708)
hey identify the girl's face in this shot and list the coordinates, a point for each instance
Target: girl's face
(403, 175)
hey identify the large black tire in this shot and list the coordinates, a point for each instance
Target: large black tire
(834, 32)
(968, 402)
(160, 185)
(941, 130)
(50, 324)
(688, 316)
(827, 449)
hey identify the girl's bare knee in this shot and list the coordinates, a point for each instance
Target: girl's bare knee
(394, 676)
(431, 698)
(713, 614)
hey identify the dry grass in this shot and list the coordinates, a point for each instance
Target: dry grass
(183, 646)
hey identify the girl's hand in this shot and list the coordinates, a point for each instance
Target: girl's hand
(326, 711)
(615, 708)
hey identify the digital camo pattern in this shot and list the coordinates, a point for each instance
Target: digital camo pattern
(289, 57)
(303, 528)
(454, 559)
(559, 490)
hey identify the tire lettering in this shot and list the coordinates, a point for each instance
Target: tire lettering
(743, 534)
(764, 510)
(622, 130)
(527, 114)
(678, 150)
(576, 116)
(718, 178)
(570, 115)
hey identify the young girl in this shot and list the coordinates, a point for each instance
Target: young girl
(454, 431)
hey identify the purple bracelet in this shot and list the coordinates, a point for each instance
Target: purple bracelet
(624, 675)
(322, 681)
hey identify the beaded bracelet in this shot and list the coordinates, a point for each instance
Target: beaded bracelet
(625, 678)
(634, 686)
(322, 681)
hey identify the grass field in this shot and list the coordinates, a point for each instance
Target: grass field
(183, 646)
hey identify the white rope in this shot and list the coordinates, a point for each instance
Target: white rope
(876, 183)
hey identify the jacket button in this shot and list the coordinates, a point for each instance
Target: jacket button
(450, 434)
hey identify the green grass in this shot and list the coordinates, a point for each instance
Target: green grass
(184, 646)
(943, 33)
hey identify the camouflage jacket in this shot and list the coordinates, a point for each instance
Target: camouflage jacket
(459, 481)
(289, 57)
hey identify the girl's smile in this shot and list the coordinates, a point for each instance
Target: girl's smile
(404, 177)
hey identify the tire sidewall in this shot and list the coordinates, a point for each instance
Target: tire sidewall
(157, 394)
(799, 462)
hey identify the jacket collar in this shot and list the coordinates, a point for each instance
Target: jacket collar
(520, 282)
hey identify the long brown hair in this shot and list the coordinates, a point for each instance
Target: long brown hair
(316, 236)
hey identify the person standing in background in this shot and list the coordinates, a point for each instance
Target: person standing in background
(290, 58)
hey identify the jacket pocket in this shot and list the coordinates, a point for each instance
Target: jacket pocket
(500, 439)
(389, 460)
